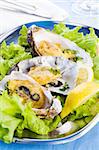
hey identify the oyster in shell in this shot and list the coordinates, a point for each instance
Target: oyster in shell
(47, 43)
(43, 103)
(27, 88)
(56, 74)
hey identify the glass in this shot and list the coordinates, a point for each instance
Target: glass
(86, 7)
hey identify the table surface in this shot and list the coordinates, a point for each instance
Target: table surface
(90, 141)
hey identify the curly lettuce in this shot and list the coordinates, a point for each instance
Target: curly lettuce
(8, 125)
(10, 55)
(14, 116)
(96, 67)
(35, 124)
(10, 107)
(22, 40)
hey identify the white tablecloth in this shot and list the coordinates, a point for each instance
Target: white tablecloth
(9, 20)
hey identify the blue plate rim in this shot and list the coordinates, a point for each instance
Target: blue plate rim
(10, 32)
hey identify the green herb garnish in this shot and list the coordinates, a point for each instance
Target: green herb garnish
(54, 71)
(77, 58)
(69, 51)
(65, 87)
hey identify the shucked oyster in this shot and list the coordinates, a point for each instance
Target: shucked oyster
(44, 74)
(55, 73)
(47, 43)
(43, 103)
(25, 87)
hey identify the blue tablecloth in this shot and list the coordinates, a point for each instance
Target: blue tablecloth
(90, 141)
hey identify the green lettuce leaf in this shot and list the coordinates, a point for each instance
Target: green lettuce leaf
(88, 42)
(62, 99)
(3, 132)
(22, 40)
(8, 124)
(14, 116)
(89, 109)
(34, 123)
(80, 123)
(10, 55)
(4, 68)
(10, 107)
(12, 51)
(96, 67)
(52, 123)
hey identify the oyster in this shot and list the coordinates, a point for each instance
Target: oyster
(47, 43)
(25, 87)
(47, 74)
(43, 103)
(56, 74)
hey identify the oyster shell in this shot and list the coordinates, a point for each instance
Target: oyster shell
(27, 88)
(47, 43)
(56, 74)
(46, 106)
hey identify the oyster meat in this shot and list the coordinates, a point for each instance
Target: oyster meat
(25, 87)
(43, 103)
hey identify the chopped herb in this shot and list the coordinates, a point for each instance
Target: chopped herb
(69, 51)
(62, 99)
(64, 87)
(75, 59)
(54, 71)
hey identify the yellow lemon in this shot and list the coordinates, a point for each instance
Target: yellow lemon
(84, 73)
(79, 96)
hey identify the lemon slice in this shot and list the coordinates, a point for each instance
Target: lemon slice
(79, 96)
(84, 73)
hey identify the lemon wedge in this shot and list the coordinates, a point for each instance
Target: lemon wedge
(84, 73)
(79, 95)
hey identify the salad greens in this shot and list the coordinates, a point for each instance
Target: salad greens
(8, 124)
(34, 123)
(16, 116)
(22, 40)
(80, 123)
(9, 107)
(37, 125)
(10, 55)
(96, 67)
